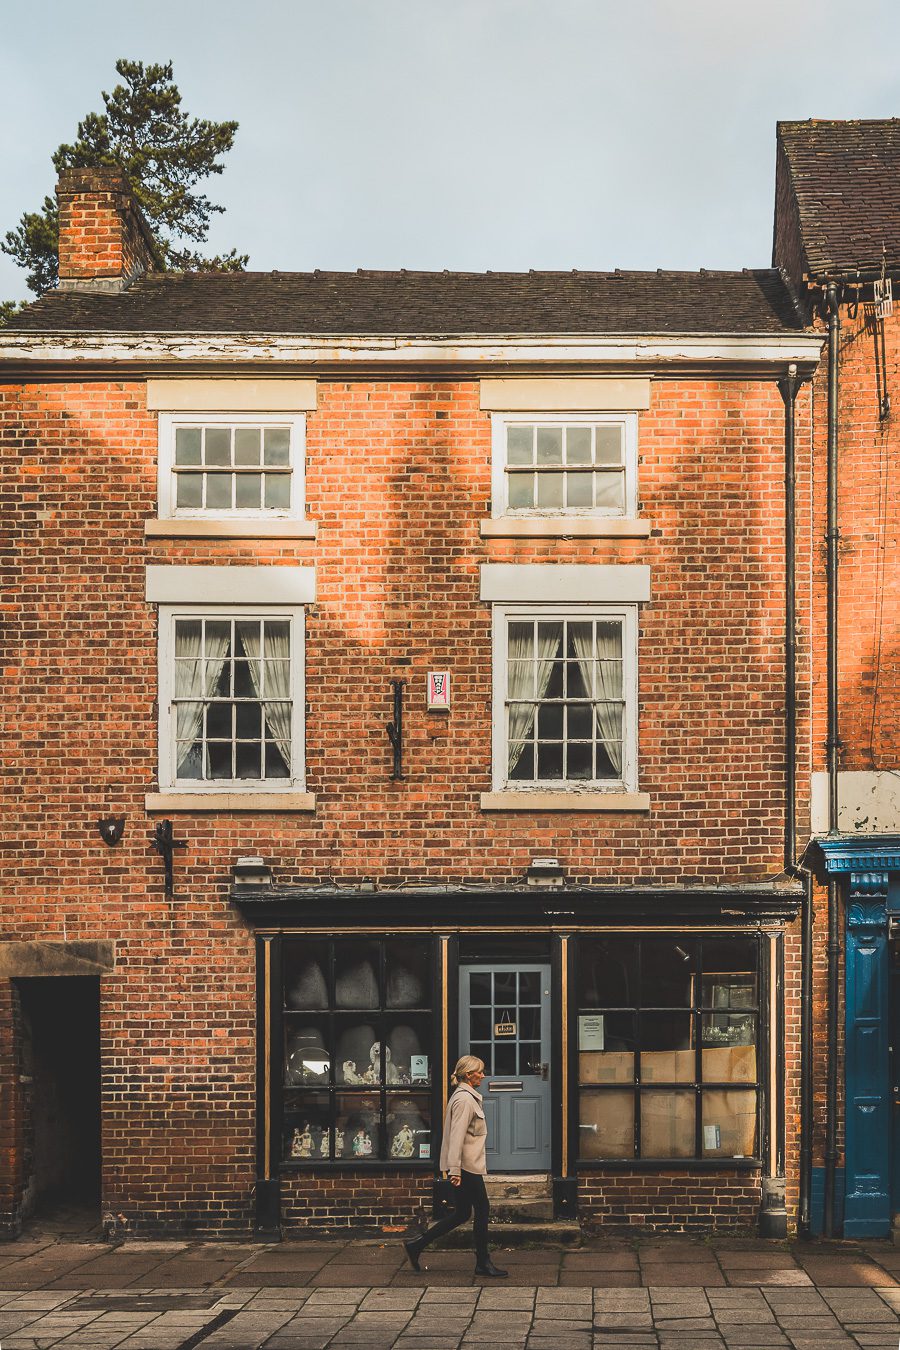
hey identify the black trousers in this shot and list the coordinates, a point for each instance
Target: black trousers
(469, 1196)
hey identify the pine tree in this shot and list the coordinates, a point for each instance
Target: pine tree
(163, 153)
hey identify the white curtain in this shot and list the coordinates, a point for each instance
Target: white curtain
(522, 714)
(278, 680)
(609, 681)
(189, 678)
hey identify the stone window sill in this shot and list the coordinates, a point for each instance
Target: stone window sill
(565, 801)
(164, 802)
(561, 527)
(230, 529)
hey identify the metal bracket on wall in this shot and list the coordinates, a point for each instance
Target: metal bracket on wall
(395, 729)
(164, 844)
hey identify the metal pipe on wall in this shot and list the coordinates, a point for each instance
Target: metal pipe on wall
(832, 536)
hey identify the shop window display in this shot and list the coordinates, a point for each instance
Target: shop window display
(357, 1064)
(668, 1033)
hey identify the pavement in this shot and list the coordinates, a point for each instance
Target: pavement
(73, 1290)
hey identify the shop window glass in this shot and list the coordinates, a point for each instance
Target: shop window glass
(358, 1050)
(670, 1026)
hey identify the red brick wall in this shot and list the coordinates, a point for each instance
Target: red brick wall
(101, 233)
(12, 1113)
(669, 1201)
(398, 478)
(368, 1199)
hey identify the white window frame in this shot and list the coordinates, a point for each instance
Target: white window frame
(168, 781)
(628, 614)
(168, 425)
(500, 508)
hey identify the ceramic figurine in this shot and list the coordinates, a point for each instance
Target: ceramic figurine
(362, 1144)
(302, 1143)
(323, 1144)
(339, 1143)
(402, 1143)
(351, 1075)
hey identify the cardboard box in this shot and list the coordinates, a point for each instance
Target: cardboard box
(667, 1124)
(606, 1066)
(606, 1126)
(668, 1066)
(729, 1064)
(735, 1115)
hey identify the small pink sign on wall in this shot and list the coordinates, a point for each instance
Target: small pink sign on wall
(438, 689)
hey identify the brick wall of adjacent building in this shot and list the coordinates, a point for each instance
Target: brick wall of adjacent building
(398, 479)
(12, 1113)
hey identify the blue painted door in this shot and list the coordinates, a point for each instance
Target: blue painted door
(867, 1203)
(504, 1019)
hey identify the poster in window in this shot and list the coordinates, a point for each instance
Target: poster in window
(591, 1031)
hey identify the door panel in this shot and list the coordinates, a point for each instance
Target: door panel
(504, 1019)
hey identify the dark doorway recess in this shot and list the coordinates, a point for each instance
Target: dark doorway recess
(60, 1067)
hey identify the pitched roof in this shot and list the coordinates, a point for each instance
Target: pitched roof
(846, 180)
(427, 303)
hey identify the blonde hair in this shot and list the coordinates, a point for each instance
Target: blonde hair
(468, 1064)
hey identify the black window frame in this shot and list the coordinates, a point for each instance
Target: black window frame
(696, 1009)
(287, 1097)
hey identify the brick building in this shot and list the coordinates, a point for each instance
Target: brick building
(398, 668)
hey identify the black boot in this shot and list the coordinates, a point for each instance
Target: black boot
(487, 1267)
(414, 1249)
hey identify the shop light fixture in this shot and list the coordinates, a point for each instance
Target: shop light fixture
(544, 872)
(251, 871)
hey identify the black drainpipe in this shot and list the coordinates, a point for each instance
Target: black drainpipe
(789, 386)
(832, 304)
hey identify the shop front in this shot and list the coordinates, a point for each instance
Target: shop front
(633, 1044)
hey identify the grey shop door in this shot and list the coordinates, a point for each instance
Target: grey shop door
(516, 1090)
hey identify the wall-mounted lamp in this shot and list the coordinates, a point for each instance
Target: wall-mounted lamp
(544, 872)
(111, 829)
(251, 871)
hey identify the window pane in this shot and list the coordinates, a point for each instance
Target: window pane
(219, 721)
(729, 1028)
(520, 445)
(244, 672)
(249, 721)
(248, 490)
(609, 445)
(729, 1063)
(521, 761)
(305, 974)
(607, 973)
(277, 445)
(408, 1125)
(504, 989)
(550, 491)
(579, 762)
(276, 634)
(246, 445)
(187, 637)
(218, 679)
(529, 1024)
(550, 761)
(729, 973)
(408, 975)
(306, 1126)
(576, 686)
(579, 489)
(578, 445)
(187, 445)
(248, 759)
(667, 1053)
(667, 973)
(667, 1124)
(610, 491)
(357, 1120)
(189, 489)
(521, 491)
(481, 1024)
(505, 1057)
(580, 718)
(217, 448)
(306, 1059)
(218, 491)
(606, 1125)
(550, 636)
(278, 491)
(357, 1052)
(529, 988)
(189, 756)
(218, 637)
(550, 721)
(549, 445)
(729, 1124)
(356, 975)
(408, 1047)
(483, 1050)
(530, 1061)
(276, 764)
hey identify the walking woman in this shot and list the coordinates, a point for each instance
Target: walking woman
(462, 1155)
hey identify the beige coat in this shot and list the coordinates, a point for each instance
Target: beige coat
(465, 1133)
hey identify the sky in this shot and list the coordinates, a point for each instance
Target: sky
(463, 134)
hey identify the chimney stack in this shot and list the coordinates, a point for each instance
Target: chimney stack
(104, 242)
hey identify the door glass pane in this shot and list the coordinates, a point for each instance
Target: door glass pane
(505, 989)
(530, 986)
(481, 1024)
(529, 1027)
(530, 1057)
(606, 1125)
(480, 986)
(505, 1057)
(729, 1124)
(483, 1050)
(667, 1124)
